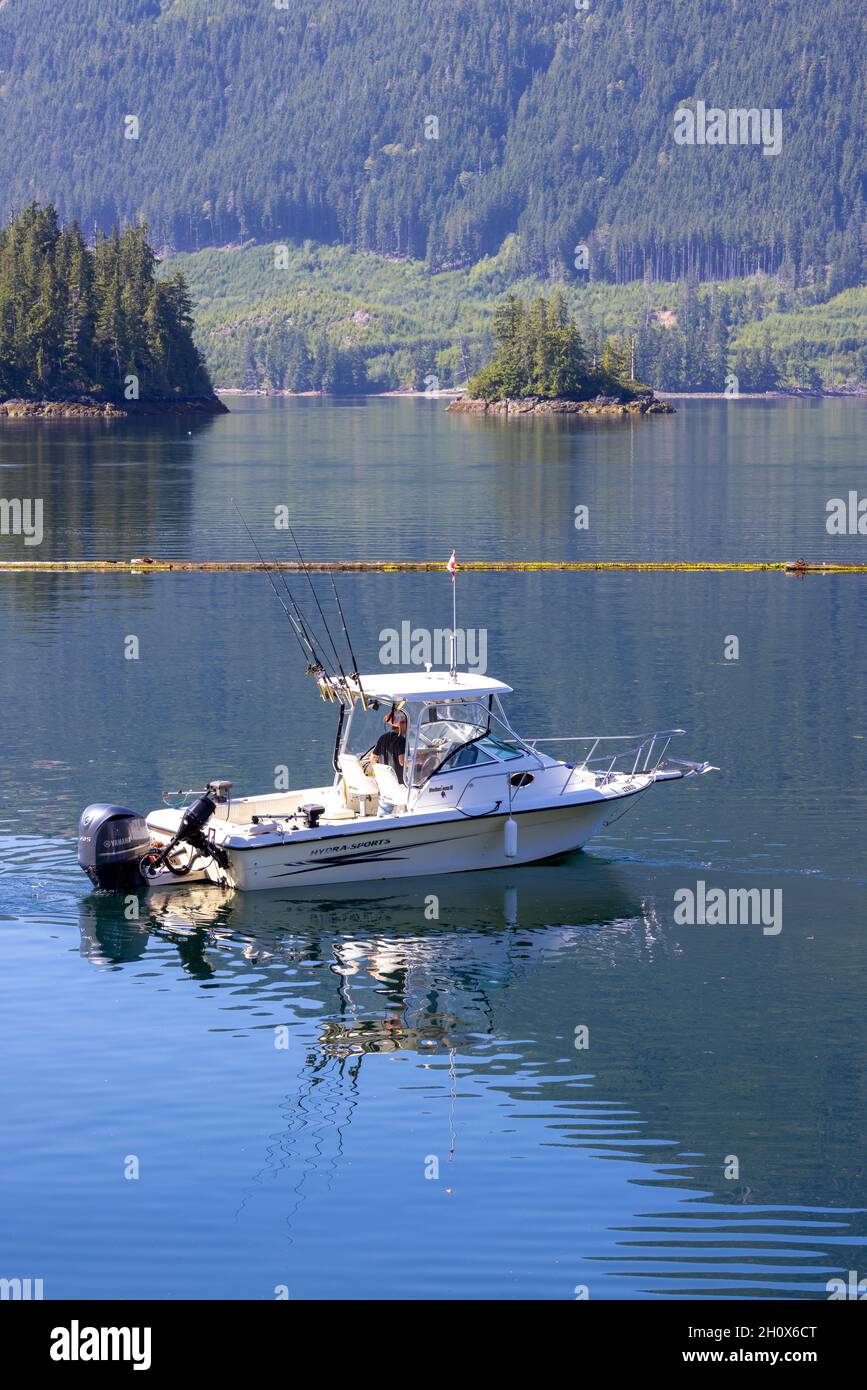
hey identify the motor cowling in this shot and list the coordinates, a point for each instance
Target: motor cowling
(111, 842)
(195, 816)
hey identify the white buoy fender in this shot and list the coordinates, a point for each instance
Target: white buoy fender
(510, 838)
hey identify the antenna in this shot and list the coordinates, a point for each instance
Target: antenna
(453, 569)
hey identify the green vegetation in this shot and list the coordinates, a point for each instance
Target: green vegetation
(263, 312)
(820, 345)
(434, 133)
(77, 319)
(418, 169)
(540, 353)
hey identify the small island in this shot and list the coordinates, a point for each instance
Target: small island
(541, 366)
(88, 330)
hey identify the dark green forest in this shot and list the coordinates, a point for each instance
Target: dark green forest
(434, 131)
(283, 357)
(78, 319)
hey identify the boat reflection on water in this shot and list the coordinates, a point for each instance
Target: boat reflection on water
(479, 981)
(411, 941)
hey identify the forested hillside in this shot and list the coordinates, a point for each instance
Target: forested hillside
(434, 131)
(331, 319)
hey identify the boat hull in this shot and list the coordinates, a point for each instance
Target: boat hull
(403, 850)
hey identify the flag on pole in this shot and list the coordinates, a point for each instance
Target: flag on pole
(452, 568)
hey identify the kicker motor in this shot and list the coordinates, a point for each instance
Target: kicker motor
(115, 850)
(189, 832)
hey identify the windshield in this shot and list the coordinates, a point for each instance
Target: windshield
(443, 736)
(454, 735)
(367, 727)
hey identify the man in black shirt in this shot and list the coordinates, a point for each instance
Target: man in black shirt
(391, 747)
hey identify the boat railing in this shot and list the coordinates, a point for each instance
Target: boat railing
(610, 755)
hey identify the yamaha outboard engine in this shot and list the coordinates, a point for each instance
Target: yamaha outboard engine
(111, 842)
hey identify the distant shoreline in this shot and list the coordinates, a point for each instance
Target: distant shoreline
(450, 392)
(853, 393)
(87, 408)
(455, 393)
(20, 408)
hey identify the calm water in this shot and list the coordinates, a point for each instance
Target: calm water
(371, 478)
(409, 1041)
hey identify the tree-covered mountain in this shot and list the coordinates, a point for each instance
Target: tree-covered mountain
(91, 319)
(435, 131)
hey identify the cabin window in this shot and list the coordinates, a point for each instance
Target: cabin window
(502, 748)
(445, 729)
(471, 755)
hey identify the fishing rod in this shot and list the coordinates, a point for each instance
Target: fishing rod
(317, 664)
(301, 620)
(348, 643)
(319, 606)
(271, 581)
(331, 688)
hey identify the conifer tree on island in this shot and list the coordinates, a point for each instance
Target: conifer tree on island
(92, 320)
(540, 354)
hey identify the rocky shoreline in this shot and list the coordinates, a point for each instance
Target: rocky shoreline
(89, 408)
(537, 405)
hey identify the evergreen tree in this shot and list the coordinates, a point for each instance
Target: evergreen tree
(540, 353)
(79, 319)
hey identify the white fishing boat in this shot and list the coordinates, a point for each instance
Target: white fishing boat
(453, 787)
(473, 794)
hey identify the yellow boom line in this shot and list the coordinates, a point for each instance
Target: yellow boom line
(146, 565)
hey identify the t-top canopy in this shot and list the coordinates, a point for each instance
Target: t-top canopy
(428, 685)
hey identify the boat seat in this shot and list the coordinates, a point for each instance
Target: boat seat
(356, 783)
(338, 806)
(390, 789)
(355, 776)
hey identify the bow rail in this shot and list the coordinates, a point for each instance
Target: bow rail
(647, 751)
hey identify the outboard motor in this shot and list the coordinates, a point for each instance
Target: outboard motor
(111, 842)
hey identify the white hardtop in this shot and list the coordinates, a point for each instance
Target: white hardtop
(429, 685)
